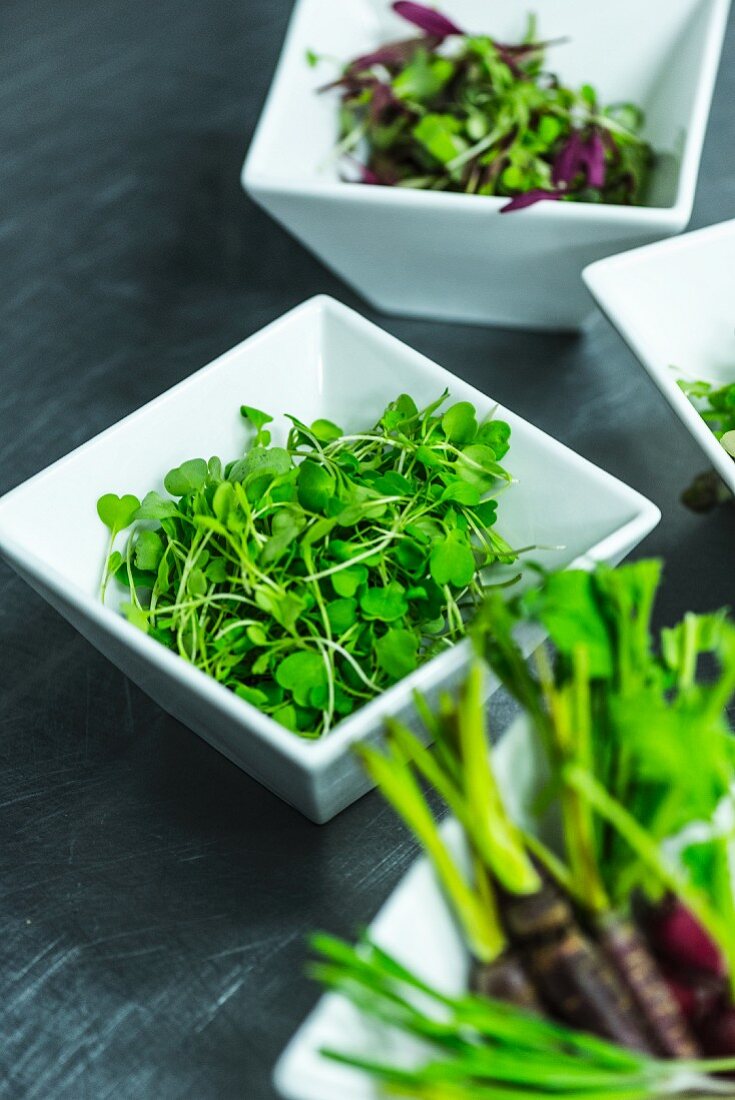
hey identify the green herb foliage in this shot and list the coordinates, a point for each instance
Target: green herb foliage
(638, 731)
(308, 578)
(716, 406)
(479, 1048)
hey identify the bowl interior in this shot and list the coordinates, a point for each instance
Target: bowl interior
(675, 303)
(652, 54)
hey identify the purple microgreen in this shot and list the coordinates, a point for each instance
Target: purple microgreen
(429, 20)
(580, 156)
(529, 198)
(595, 161)
(393, 55)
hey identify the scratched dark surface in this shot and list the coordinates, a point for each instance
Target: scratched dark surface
(153, 899)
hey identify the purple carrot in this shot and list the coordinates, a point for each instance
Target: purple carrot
(626, 949)
(428, 19)
(572, 976)
(718, 1032)
(697, 997)
(677, 936)
(505, 979)
(529, 198)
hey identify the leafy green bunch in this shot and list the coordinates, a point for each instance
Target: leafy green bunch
(308, 578)
(451, 111)
(716, 406)
(637, 733)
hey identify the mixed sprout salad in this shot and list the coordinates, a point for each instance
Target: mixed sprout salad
(449, 110)
(716, 406)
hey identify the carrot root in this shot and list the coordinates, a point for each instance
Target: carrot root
(505, 979)
(628, 953)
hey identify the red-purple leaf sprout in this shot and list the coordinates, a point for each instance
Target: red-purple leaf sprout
(580, 156)
(454, 120)
(529, 198)
(428, 19)
(393, 54)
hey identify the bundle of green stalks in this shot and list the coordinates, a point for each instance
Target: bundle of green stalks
(606, 962)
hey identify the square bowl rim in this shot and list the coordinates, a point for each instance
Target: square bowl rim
(673, 217)
(310, 754)
(603, 275)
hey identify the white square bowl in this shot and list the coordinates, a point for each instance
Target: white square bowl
(674, 304)
(319, 360)
(453, 256)
(416, 925)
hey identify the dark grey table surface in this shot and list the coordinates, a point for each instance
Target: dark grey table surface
(154, 899)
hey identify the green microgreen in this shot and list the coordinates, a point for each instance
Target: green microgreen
(309, 577)
(716, 406)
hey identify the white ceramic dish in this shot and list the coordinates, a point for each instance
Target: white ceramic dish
(320, 359)
(415, 925)
(452, 256)
(674, 304)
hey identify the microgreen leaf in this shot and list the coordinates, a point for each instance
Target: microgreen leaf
(148, 550)
(258, 419)
(400, 413)
(261, 462)
(135, 616)
(452, 560)
(460, 423)
(496, 435)
(325, 431)
(186, 478)
(397, 652)
(223, 501)
(347, 581)
(440, 136)
(423, 78)
(477, 465)
(116, 512)
(301, 673)
(461, 492)
(251, 695)
(387, 604)
(342, 614)
(156, 507)
(315, 486)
